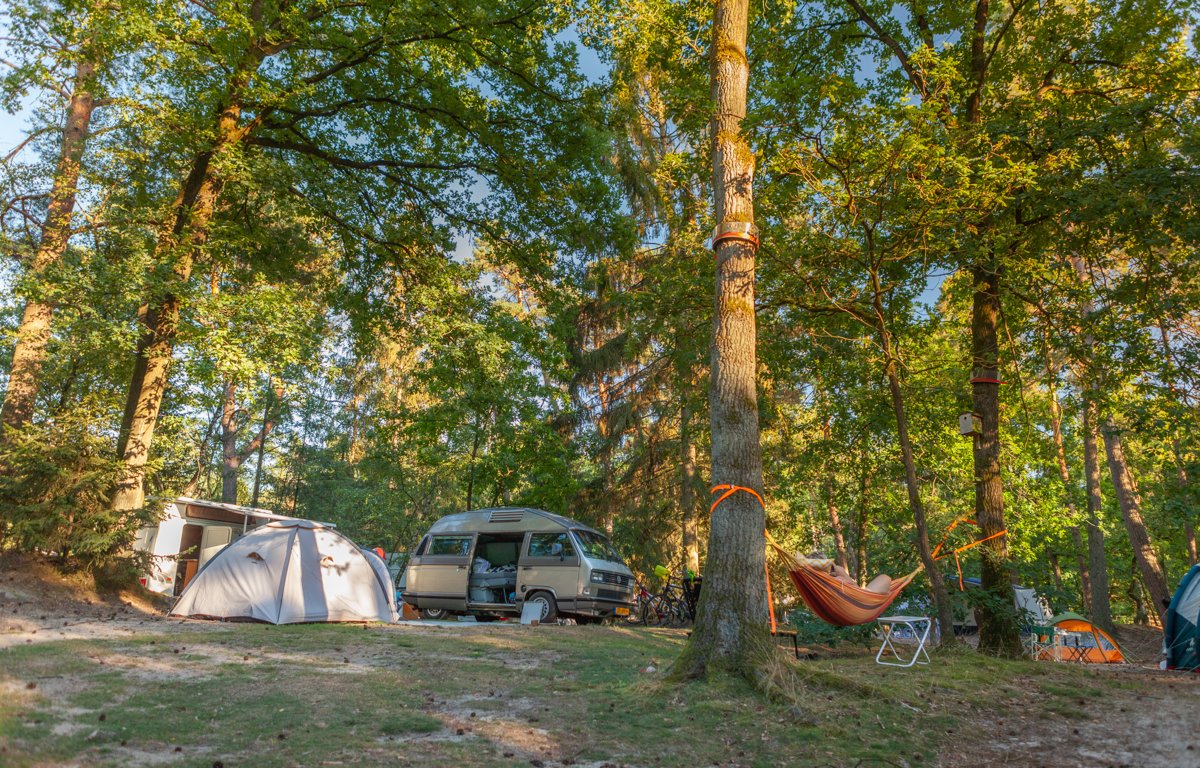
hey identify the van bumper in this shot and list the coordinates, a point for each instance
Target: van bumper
(601, 608)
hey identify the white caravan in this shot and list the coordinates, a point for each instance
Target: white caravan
(190, 532)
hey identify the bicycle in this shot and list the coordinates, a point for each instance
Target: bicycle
(668, 607)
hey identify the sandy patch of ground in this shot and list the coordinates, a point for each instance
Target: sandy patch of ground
(1124, 729)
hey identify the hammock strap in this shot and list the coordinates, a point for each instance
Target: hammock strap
(973, 544)
(729, 490)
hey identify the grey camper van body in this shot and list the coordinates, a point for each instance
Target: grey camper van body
(490, 562)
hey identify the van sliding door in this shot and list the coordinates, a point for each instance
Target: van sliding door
(438, 576)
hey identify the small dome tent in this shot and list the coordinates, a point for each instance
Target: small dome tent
(289, 572)
(1084, 640)
(1181, 632)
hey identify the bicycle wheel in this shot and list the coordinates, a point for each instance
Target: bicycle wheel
(656, 615)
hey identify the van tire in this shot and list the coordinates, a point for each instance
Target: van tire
(435, 614)
(549, 610)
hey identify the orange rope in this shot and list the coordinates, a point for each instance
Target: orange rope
(729, 491)
(957, 562)
(969, 546)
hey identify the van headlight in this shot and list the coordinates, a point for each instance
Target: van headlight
(597, 577)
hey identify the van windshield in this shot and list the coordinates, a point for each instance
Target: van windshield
(598, 547)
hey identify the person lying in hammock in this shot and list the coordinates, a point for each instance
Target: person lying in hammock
(881, 584)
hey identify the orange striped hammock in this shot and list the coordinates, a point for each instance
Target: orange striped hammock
(833, 600)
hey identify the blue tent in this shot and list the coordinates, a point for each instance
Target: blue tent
(1181, 635)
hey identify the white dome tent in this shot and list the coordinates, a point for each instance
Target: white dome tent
(289, 572)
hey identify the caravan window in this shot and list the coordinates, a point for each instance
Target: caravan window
(454, 546)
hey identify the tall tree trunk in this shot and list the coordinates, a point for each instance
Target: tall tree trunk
(29, 353)
(1081, 564)
(258, 468)
(864, 521)
(842, 556)
(1055, 569)
(1140, 616)
(1101, 614)
(731, 629)
(1130, 502)
(230, 461)
(234, 456)
(687, 490)
(937, 585)
(998, 629)
(835, 522)
(1181, 474)
(606, 451)
(474, 455)
(194, 207)
(1064, 474)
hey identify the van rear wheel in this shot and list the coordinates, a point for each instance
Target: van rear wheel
(547, 607)
(435, 614)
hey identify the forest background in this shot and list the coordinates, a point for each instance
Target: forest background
(374, 262)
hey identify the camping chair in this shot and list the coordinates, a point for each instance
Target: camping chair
(1039, 641)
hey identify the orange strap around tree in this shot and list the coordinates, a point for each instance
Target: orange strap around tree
(729, 490)
(955, 552)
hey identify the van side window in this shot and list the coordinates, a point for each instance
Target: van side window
(550, 545)
(422, 547)
(456, 546)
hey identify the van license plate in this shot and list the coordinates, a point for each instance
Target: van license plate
(622, 611)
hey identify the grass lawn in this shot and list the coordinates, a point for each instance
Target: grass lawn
(193, 694)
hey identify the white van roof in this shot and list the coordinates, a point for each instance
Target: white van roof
(506, 520)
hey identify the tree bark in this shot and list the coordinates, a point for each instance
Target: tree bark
(1064, 474)
(687, 491)
(1181, 474)
(1055, 569)
(1130, 502)
(230, 460)
(842, 555)
(33, 335)
(474, 455)
(194, 207)
(233, 456)
(864, 520)
(999, 632)
(1081, 564)
(937, 585)
(731, 627)
(1101, 614)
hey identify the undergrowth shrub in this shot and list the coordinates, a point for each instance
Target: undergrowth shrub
(812, 631)
(54, 494)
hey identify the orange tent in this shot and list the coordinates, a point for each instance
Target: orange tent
(1077, 639)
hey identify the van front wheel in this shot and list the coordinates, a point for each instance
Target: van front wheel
(547, 607)
(435, 614)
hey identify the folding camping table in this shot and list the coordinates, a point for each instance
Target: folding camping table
(915, 628)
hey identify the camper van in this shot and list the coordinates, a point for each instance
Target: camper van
(492, 562)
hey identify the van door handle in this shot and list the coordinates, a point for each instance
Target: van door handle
(462, 567)
(527, 568)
